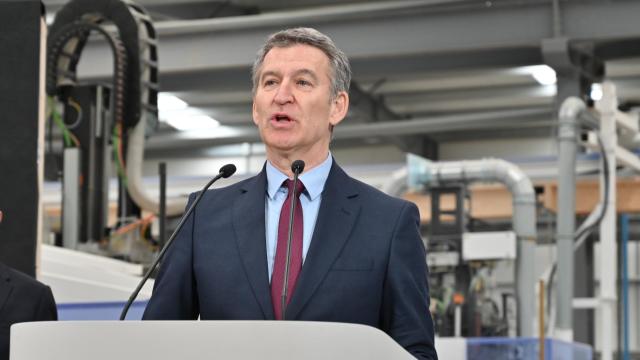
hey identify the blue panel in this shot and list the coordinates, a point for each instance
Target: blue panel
(100, 311)
(525, 349)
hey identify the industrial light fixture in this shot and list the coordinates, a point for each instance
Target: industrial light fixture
(187, 122)
(179, 115)
(596, 92)
(543, 74)
(170, 102)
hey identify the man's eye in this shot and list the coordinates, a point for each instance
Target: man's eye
(269, 82)
(304, 83)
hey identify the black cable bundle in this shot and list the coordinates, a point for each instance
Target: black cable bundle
(134, 48)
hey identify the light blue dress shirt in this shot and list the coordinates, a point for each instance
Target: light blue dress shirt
(313, 181)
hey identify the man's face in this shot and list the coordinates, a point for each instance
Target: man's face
(292, 106)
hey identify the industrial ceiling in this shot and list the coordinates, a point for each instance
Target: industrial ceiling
(425, 71)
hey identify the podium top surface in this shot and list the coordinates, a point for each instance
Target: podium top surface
(135, 340)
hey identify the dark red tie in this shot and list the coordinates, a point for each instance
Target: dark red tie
(277, 279)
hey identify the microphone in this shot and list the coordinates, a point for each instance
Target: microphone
(297, 167)
(224, 172)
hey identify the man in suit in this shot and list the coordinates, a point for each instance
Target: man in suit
(357, 255)
(22, 299)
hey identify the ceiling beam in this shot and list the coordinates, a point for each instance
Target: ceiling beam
(385, 129)
(402, 36)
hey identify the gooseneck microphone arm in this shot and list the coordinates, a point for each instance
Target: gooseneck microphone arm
(297, 167)
(225, 172)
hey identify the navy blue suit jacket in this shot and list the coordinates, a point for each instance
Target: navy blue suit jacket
(22, 299)
(365, 265)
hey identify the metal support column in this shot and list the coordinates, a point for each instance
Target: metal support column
(71, 204)
(607, 108)
(162, 213)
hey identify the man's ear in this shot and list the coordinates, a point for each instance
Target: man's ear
(339, 108)
(254, 112)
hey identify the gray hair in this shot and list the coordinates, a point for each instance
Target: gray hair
(341, 77)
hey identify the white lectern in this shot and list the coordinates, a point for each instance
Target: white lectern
(160, 340)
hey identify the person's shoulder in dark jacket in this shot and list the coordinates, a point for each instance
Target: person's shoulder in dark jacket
(22, 299)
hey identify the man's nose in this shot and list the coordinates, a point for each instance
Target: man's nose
(284, 94)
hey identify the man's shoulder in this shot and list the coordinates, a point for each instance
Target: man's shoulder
(374, 196)
(27, 300)
(20, 279)
(231, 190)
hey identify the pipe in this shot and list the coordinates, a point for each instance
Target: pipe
(135, 148)
(570, 109)
(162, 213)
(588, 222)
(135, 186)
(624, 232)
(608, 109)
(397, 183)
(422, 171)
(541, 326)
(524, 221)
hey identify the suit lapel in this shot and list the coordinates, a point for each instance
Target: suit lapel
(249, 226)
(5, 285)
(338, 212)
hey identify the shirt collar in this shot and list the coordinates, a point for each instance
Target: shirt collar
(313, 179)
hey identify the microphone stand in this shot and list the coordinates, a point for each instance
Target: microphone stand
(225, 172)
(296, 167)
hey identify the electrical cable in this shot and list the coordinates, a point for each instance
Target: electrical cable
(130, 227)
(120, 149)
(74, 138)
(582, 234)
(65, 133)
(67, 136)
(145, 225)
(134, 88)
(78, 110)
(80, 30)
(117, 152)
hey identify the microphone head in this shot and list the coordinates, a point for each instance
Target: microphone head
(227, 170)
(297, 167)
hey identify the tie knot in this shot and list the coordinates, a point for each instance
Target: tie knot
(299, 186)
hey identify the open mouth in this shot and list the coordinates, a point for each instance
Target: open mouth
(280, 118)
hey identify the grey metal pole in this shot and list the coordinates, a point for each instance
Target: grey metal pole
(524, 225)
(567, 148)
(71, 198)
(162, 211)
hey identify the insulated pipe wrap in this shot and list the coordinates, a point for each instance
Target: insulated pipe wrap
(569, 112)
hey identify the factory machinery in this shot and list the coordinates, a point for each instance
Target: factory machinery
(461, 261)
(104, 124)
(465, 299)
